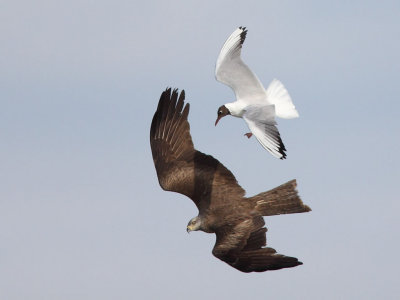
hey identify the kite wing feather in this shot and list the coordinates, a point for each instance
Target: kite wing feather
(242, 247)
(180, 167)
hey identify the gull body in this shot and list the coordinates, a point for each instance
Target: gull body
(255, 104)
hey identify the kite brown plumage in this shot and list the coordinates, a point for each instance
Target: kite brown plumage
(223, 208)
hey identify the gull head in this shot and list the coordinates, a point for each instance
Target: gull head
(222, 112)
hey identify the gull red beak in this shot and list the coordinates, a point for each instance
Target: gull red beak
(219, 118)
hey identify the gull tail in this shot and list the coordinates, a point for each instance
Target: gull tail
(278, 95)
(283, 199)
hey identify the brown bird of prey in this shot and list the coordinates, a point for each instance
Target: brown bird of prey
(224, 210)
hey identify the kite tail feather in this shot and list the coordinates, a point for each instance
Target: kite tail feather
(283, 199)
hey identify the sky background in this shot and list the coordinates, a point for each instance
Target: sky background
(81, 213)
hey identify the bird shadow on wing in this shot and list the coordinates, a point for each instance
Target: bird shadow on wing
(205, 168)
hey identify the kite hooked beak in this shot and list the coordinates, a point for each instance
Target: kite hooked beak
(219, 118)
(188, 229)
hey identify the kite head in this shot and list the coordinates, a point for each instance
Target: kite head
(194, 224)
(222, 112)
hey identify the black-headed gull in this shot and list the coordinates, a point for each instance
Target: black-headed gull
(256, 105)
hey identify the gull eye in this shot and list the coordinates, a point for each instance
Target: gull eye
(220, 112)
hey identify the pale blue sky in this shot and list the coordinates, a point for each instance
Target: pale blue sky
(81, 213)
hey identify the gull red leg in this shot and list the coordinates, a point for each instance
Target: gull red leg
(249, 134)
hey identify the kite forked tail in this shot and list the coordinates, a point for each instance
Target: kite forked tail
(283, 199)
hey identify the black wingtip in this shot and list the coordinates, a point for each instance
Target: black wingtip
(282, 149)
(243, 34)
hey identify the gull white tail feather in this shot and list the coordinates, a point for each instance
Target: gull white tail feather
(278, 95)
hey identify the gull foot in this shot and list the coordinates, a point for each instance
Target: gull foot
(249, 134)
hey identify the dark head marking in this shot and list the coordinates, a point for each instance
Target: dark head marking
(222, 112)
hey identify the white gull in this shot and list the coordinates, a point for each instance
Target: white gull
(256, 105)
